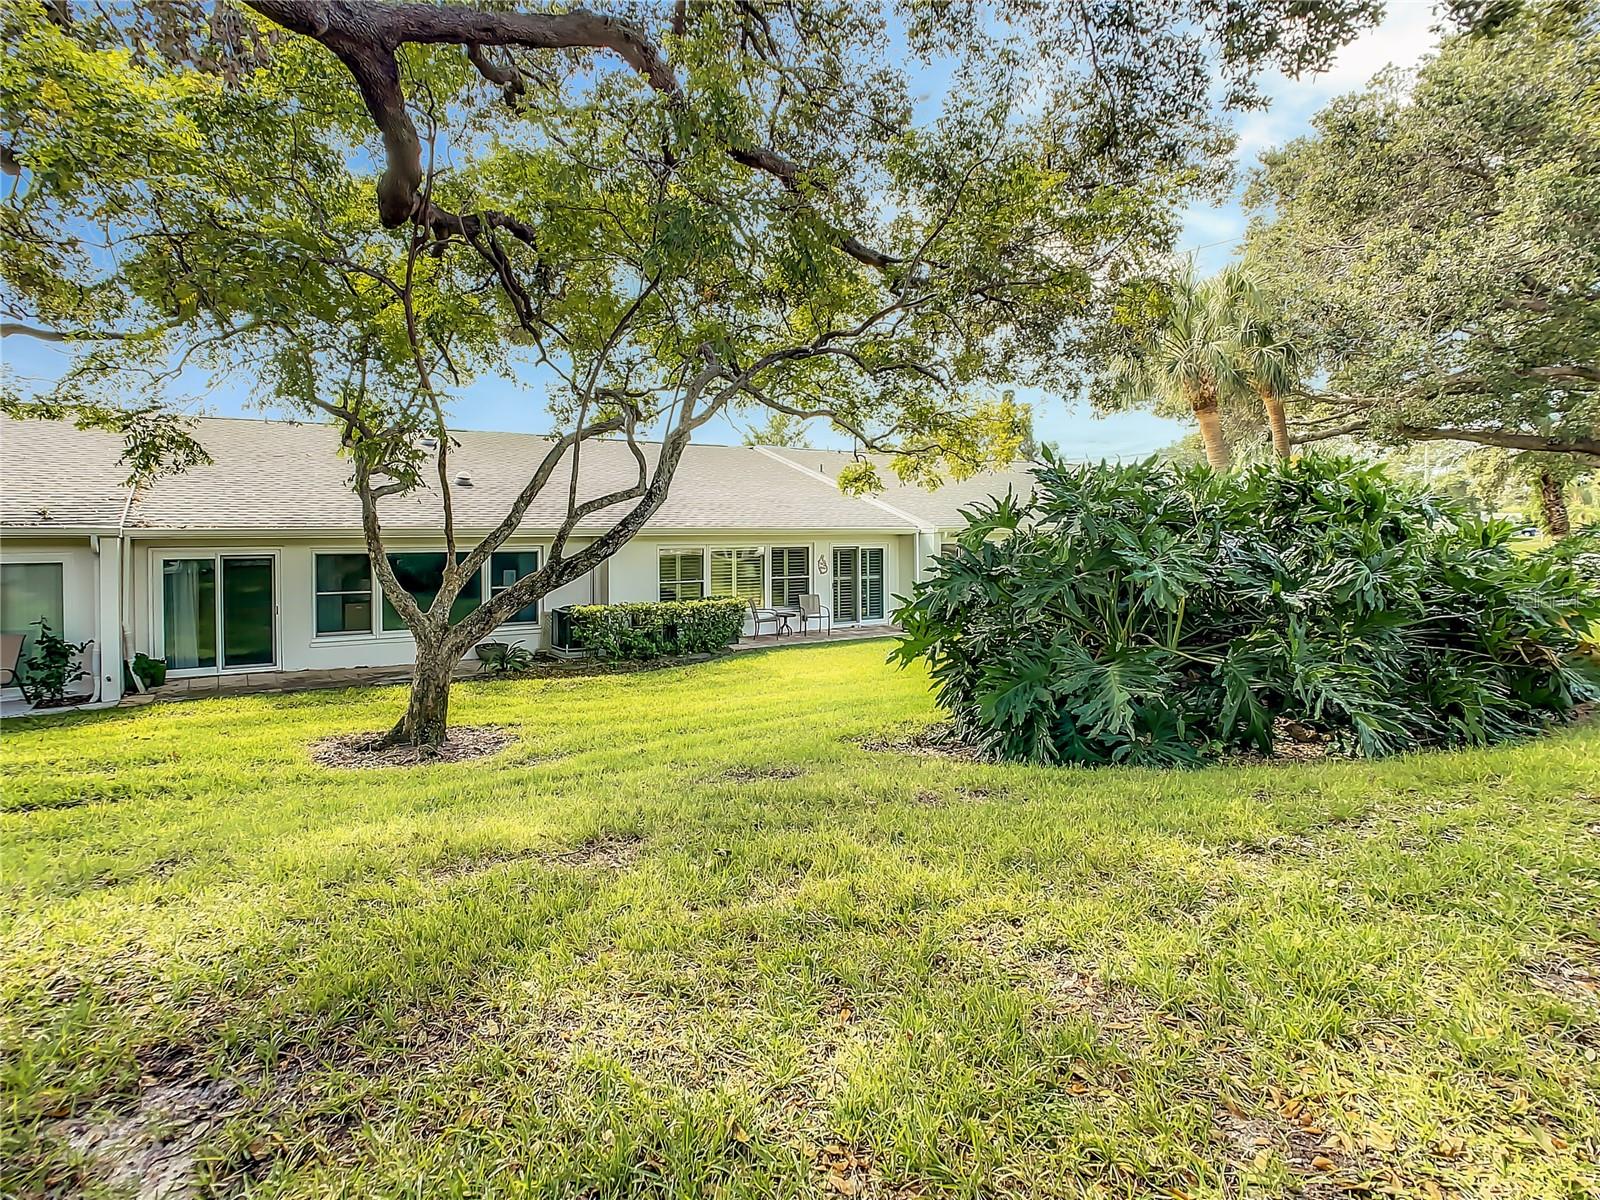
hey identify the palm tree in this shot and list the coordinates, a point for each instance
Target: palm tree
(1268, 359)
(1192, 360)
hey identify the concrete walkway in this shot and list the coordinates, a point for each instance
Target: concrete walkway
(854, 633)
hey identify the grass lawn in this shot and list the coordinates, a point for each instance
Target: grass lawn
(687, 937)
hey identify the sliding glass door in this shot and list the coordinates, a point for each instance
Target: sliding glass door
(247, 607)
(857, 584)
(217, 612)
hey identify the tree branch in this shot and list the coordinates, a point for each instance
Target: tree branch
(366, 36)
(1584, 447)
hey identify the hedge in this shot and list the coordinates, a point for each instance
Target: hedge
(658, 629)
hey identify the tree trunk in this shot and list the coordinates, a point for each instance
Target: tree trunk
(427, 711)
(1554, 502)
(1205, 411)
(1277, 421)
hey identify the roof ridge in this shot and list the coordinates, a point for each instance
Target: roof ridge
(310, 422)
(773, 454)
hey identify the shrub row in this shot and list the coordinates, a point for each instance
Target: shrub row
(1160, 615)
(657, 629)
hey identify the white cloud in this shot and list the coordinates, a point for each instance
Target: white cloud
(1401, 39)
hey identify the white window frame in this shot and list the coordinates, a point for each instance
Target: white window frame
(39, 559)
(678, 552)
(159, 555)
(809, 549)
(377, 632)
(375, 601)
(489, 588)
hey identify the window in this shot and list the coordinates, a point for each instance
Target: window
(791, 575)
(219, 610)
(681, 574)
(420, 575)
(858, 583)
(739, 572)
(189, 613)
(344, 593)
(505, 568)
(29, 591)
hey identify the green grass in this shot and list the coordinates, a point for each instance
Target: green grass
(687, 937)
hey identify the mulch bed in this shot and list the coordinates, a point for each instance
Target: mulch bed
(353, 751)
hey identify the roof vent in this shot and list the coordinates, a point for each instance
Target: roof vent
(430, 443)
(463, 479)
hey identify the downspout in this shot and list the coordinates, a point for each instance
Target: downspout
(122, 566)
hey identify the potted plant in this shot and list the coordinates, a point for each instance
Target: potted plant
(504, 658)
(491, 651)
(152, 672)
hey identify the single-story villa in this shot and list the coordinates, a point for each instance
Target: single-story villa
(256, 563)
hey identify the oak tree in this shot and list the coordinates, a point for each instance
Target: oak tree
(650, 215)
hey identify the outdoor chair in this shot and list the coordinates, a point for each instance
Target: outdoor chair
(766, 616)
(10, 652)
(813, 609)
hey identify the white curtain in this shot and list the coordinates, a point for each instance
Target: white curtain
(181, 584)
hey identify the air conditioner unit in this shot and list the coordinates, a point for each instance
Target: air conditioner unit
(561, 640)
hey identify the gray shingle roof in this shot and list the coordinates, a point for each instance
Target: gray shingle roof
(938, 508)
(53, 475)
(282, 476)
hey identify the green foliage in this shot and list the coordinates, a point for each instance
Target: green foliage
(152, 672)
(1185, 352)
(503, 658)
(1432, 246)
(1162, 615)
(52, 663)
(228, 169)
(658, 629)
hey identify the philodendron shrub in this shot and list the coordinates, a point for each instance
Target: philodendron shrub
(1152, 614)
(658, 629)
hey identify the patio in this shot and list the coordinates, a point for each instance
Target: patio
(852, 633)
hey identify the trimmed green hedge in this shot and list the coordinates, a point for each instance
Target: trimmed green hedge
(658, 629)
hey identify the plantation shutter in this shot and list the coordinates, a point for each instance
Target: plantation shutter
(679, 574)
(791, 574)
(872, 584)
(844, 583)
(741, 573)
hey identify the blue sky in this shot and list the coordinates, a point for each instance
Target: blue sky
(1210, 232)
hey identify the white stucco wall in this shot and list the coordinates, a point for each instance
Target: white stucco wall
(629, 575)
(299, 647)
